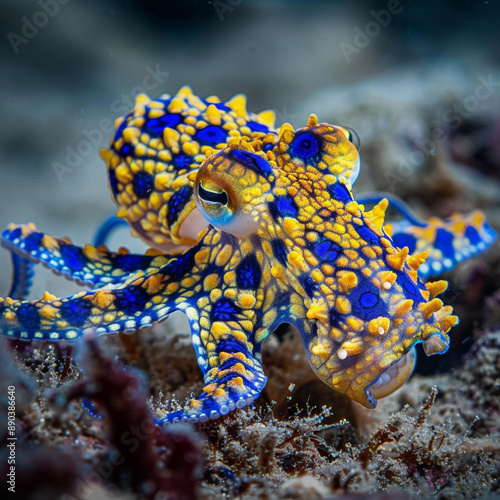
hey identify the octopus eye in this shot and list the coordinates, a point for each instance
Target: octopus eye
(210, 196)
(305, 146)
(352, 136)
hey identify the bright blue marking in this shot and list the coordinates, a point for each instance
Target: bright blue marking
(131, 299)
(472, 235)
(72, 257)
(367, 234)
(182, 265)
(12, 235)
(231, 362)
(28, 316)
(444, 242)
(76, 311)
(405, 240)
(231, 346)
(365, 301)
(257, 127)
(131, 263)
(211, 136)
(231, 375)
(32, 241)
(106, 227)
(22, 277)
(286, 207)
(327, 251)
(339, 192)
(252, 161)
(305, 146)
(182, 161)
(143, 184)
(282, 207)
(126, 150)
(177, 202)
(91, 408)
(279, 250)
(155, 126)
(224, 310)
(219, 105)
(409, 287)
(308, 284)
(248, 273)
(368, 300)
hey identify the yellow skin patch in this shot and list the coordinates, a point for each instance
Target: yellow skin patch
(263, 230)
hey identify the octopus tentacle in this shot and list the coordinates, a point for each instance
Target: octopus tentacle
(137, 303)
(106, 228)
(234, 377)
(94, 267)
(22, 277)
(447, 242)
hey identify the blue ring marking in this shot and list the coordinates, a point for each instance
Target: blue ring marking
(369, 300)
(212, 135)
(126, 150)
(305, 145)
(362, 299)
(143, 184)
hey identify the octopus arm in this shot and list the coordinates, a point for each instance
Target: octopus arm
(90, 266)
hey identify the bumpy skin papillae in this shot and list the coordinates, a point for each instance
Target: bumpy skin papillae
(288, 244)
(157, 145)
